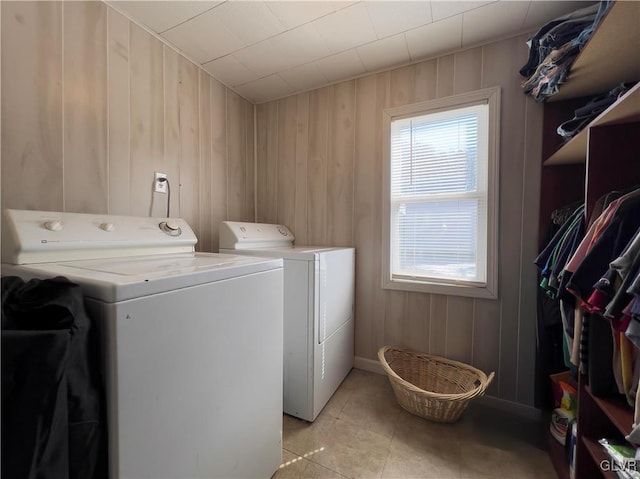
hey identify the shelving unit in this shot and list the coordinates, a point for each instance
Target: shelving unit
(558, 458)
(605, 156)
(604, 61)
(598, 417)
(625, 110)
(598, 455)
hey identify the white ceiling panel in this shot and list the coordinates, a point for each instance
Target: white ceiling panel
(493, 20)
(271, 48)
(251, 22)
(382, 53)
(160, 16)
(204, 38)
(300, 45)
(542, 11)
(263, 59)
(447, 8)
(390, 18)
(341, 66)
(229, 71)
(265, 89)
(435, 38)
(293, 14)
(347, 28)
(304, 77)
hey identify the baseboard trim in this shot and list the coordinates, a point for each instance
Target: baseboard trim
(502, 405)
(368, 365)
(510, 407)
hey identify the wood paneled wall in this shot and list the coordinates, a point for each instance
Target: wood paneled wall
(319, 171)
(92, 105)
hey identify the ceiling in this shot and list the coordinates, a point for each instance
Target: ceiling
(270, 49)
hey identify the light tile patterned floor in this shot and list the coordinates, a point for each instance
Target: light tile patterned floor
(363, 433)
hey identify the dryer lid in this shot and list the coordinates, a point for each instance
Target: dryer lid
(241, 235)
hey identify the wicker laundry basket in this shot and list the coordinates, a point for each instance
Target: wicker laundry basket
(434, 388)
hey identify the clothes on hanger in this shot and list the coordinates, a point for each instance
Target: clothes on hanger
(555, 327)
(597, 272)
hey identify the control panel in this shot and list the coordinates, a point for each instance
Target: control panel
(241, 235)
(46, 236)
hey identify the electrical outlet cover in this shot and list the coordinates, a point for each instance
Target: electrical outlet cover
(159, 186)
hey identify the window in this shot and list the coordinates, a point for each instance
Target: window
(441, 180)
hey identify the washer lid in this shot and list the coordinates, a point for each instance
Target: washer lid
(146, 267)
(129, 278)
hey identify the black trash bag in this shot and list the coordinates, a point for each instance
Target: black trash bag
(53, 422)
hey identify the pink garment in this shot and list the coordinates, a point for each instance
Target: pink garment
(591, 236)
(595, 230)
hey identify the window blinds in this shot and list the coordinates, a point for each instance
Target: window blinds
(439, 172)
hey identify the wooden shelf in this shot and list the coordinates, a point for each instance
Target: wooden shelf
(617, 410)
(558, 457)
(597, 452)
(609, 57)
(625, 110)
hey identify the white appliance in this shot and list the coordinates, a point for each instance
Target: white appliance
(318, 311)
(192, 341)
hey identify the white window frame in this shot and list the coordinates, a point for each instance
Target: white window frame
(488, 289)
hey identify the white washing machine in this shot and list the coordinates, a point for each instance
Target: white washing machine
(318, 311)
(192, 341)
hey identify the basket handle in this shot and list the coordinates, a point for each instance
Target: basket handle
(383, 362)
(484, 384)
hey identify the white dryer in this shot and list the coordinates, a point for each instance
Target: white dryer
(318, 311)
(193, 369)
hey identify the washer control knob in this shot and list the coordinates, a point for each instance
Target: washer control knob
(54, 225)
(283, 231)
(172, 228)
(106, 226)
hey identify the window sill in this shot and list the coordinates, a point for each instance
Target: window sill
(485, 292)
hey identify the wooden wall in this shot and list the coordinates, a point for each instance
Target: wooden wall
(92, 105)
(319, 171)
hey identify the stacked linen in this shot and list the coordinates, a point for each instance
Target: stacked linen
(590, 110)
(555, 46)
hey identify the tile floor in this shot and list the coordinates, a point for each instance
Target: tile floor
(363, 433)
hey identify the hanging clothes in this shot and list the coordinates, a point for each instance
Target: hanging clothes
(610, 238)
(553, 334)
(601, 271)
(595, 276)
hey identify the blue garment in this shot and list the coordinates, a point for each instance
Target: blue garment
(552, 259)
(565, 32)
(535, 56)
(585, 114)
(573, 29)
(603, 7)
